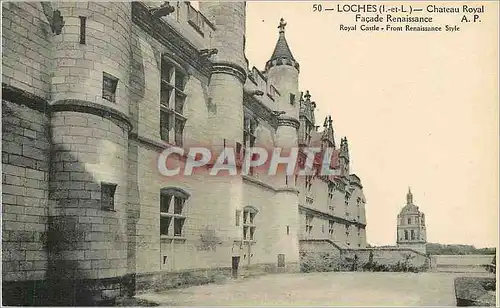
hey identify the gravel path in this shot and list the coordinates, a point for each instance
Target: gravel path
(327, 289)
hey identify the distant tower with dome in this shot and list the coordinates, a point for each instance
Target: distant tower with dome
(411, 231)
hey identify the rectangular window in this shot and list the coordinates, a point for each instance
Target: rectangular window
(281, 260)
(252, 215)
(179, 203)
(195, 19)
(287, 230)
(292, 99)
(252, 231)
(308, 182)
(309, 219)
(164, 225)
(249, 126)
(165, 125)
(172, 101)
(331, 223)
(248, 224)
(108, 196)
(165, 203)
(109, 85)
(347, 197)
(171, 215)
(178, 224)
(83, 24)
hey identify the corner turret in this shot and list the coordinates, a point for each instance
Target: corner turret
(282, 72)
(306, 117)
(327, 138)
(282, 54)
(344, 157)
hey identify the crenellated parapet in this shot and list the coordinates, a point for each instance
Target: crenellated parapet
(307, 107)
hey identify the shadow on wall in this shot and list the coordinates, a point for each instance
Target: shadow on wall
(137, 92)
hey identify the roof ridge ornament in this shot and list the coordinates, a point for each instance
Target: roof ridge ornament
(282, 25)
(409, 196)
(307, 96)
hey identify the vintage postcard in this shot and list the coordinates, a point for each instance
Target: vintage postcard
(258, 153)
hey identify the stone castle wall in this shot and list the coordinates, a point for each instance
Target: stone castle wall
(325, 255)
(25, 190)
(61, 141)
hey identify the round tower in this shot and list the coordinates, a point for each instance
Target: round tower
(87, 235)
(411, 231)
(282, 71)
(229, 69)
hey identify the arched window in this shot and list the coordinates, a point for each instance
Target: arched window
(406, 235)
(249, 213)
(412, 234)
(172, 203)
(409, 221)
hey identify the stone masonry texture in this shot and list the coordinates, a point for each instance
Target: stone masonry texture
(64, 143)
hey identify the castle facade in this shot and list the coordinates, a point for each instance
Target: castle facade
(92, 93)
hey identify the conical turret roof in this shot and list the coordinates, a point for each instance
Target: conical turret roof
(282, 50)
(282, 55)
